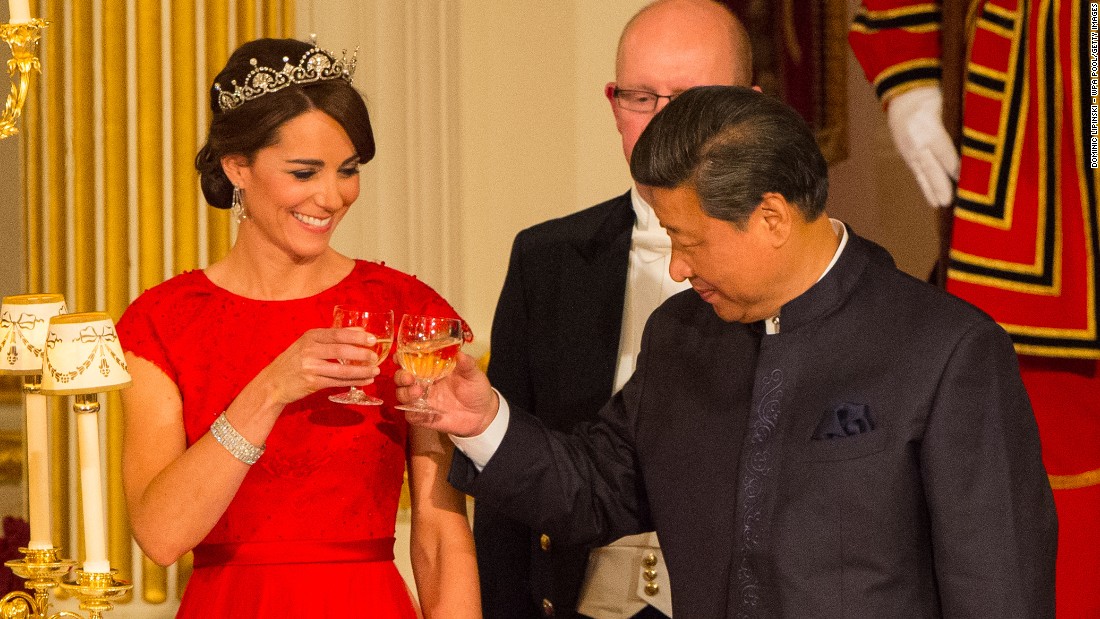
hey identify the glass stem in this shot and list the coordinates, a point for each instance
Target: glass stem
(426, 384)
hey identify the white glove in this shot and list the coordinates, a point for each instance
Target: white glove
(916, 123)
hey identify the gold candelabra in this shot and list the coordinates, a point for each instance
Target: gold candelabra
(43, 569)
(23, 40)
(23, 319)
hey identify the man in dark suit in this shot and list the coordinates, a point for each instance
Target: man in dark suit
(810, 431)
(580, 288)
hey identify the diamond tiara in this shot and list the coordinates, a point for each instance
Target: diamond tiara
(316, 65)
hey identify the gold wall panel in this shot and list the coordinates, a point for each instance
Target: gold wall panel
(52, 233)
(185, 128)
(116, 248)
(82, 114)
(31, 152)
(217, 52)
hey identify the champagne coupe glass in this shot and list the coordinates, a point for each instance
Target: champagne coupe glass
(380, 324)
(427, 347)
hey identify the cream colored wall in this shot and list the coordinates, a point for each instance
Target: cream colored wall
(530, 135)
(539, 139)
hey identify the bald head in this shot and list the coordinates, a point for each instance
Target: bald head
(682, 23)
(673, 45)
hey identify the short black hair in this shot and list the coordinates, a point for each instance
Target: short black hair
(733, 145)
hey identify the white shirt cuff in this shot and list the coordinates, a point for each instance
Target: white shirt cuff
(480, 448)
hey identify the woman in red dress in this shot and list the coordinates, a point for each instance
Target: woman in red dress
(232, 448)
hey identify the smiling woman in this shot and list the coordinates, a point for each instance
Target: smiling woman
(232, 367)
(294, 192)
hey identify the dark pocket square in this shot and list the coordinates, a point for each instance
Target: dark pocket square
(847, 420)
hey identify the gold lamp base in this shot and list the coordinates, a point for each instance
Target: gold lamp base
(44, 570)
(97, 590)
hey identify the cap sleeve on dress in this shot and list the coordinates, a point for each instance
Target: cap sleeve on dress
(139, 334)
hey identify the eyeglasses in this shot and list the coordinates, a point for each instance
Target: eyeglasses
(639, 100)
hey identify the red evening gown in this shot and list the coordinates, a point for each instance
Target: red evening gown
(310, 532)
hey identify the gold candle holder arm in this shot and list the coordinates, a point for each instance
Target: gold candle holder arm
(23, 40)
(43, 570)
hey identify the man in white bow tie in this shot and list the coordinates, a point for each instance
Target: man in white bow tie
(569, 322)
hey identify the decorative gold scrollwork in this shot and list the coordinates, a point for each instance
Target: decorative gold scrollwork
(23, 40)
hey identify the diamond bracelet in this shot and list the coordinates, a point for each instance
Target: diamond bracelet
(234, 443)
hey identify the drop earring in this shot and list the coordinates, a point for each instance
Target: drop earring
(237, 205)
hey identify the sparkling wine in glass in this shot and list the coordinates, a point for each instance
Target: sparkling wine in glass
(379, 324)
(427, 348)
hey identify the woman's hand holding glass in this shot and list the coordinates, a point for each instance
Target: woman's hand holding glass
(379, 325)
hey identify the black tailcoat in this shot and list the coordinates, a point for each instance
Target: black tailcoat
(555, 344)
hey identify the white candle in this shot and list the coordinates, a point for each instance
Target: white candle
(19, 11)
(38, 472)
(95, 529)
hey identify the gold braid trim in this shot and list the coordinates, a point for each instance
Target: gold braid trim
(1071, 482)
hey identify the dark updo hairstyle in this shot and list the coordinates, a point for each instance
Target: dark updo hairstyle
(255, 124)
